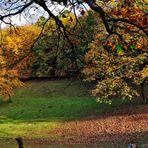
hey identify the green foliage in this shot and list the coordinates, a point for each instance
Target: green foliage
(53, 55)
(41, 21)
(117, 71)
(119, 49)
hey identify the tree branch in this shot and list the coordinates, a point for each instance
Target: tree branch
(15, 13)
(60, 24)
(128, 22)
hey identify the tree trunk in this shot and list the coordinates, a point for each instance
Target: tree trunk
(143, 86)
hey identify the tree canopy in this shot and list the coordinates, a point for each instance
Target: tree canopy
(11, 8)
(107, 45)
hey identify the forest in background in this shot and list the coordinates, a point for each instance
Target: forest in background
(116, 63)
(88, 69)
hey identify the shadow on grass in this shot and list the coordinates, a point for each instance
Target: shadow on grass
(40, 106)
(37, 107)
(53, 109)
(58, 101)
(62, 109)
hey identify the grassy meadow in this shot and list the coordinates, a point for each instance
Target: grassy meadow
(39, 107)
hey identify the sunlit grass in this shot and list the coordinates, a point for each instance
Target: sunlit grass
(27, 130)
(41, 106)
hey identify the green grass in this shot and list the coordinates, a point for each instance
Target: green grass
(41, 106)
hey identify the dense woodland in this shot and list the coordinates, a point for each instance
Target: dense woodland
(77, 76)
(113, 56)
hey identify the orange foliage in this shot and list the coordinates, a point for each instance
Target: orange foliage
(17, 48)
(15, 54)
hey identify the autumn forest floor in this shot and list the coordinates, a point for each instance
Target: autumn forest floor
(49, 113)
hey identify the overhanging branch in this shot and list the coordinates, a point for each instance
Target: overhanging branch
(60, 25)
(128, 22)
(17, 12)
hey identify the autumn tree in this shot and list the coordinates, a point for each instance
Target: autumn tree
(8, 79)
(17, 44)
(118, 62)
(12, 8)
(123, 37)
(15, 57)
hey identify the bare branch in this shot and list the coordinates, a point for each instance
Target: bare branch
(17, 12)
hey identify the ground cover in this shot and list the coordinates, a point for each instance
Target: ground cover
(51, 112)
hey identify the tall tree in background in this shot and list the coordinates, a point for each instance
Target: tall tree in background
(53, 54)
(8, 79)
(17, 47)
(121, 37)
